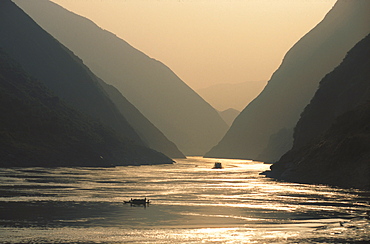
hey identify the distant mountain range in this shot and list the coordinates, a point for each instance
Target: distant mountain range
(236, 96)
(332, 137)
(229, 115)
(59, 70)
(263, 130)
(173, 107)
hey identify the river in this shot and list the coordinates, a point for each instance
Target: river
(190, 203)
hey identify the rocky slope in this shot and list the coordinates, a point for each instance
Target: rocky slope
(263, 130)
(332, 137)
(172, 106)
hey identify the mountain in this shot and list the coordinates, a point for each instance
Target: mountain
(332, 137)
(38, 129)
(162, 97)
(236, 96)
(44, 58)
(229, 115)
(150, 134)
(263, 131)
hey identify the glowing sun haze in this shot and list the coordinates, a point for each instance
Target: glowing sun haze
(206, 42)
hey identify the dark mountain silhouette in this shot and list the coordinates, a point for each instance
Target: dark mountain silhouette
(63, 73)
(148, 132)
(229, 115)
(173, 107)
(54, 65)
(263, 129)
(237, 96)
(38, 129)
(332, 137)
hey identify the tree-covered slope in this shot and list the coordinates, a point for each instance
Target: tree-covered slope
(172, 106)
(38, 129)
(332, 137)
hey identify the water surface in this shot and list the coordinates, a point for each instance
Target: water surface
(191, 203)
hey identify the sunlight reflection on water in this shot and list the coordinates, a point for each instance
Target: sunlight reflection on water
(192, 203)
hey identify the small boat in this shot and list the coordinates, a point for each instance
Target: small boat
(217, 165)
(139, 201)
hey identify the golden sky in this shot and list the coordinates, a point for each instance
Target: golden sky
(206, 42)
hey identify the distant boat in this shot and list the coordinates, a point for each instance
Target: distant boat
(217, 165)
(139, 201)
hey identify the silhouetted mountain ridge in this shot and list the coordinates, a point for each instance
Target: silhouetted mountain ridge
(332, 137)
(153, 137)
(159, 94)
(38, 129)
(275, 112)
(59, 69)
(44, 58)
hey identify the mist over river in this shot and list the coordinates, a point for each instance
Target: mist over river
(190, 203)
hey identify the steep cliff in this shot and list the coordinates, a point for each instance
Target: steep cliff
(332, 137)
(59, 69)
(172, 106)
(39, 129)
(275, 112)
(43, 57)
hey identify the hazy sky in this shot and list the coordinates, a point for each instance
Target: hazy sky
(206, 42)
